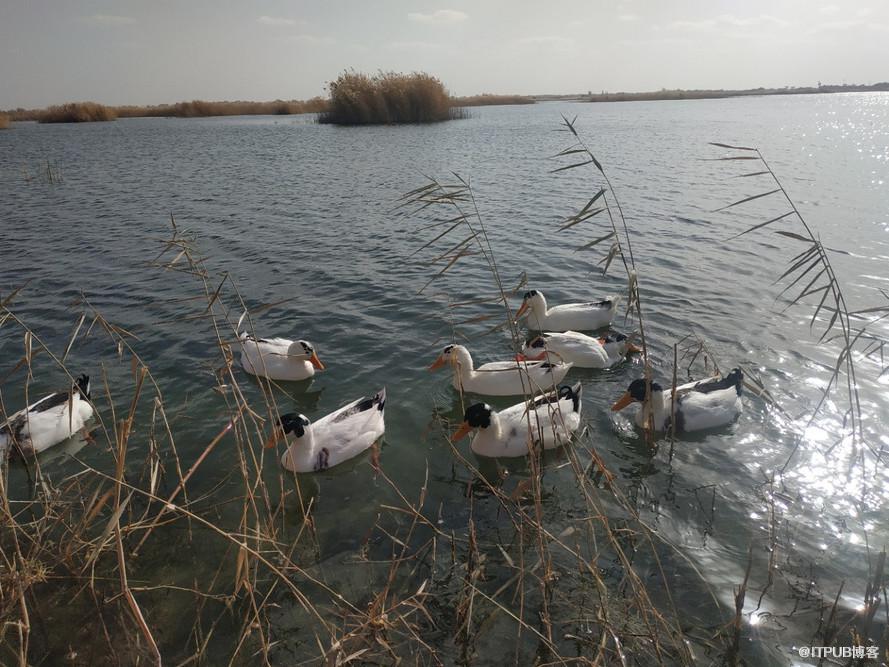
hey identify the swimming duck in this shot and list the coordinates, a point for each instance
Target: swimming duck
(699, 405)
(581, 350)
(553, 418)
(278, 358)
(333, 439)
(499, 378)
(49, 421)
(568, 317)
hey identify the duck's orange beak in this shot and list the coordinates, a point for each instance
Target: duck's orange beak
(622, 402)
(277, 434)
(461, 433)
(316, 362)
(634, 349)
(525, 357)
(521, 310)
(438, 363)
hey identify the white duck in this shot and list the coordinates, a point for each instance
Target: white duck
(553, 418)
(333, 439)
(49, 421)
(278, 358)
(568, 317)
(500, 378)
(579, 349)
(698, 405)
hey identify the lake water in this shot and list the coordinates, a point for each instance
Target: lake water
(304, 213)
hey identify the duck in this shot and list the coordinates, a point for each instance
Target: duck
(554, 417)
(705, 404)
(579, 349)
(334, 439)
(278, 358)
(500, 378)
(48, 422)
(567, 317)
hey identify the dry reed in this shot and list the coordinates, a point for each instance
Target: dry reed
(387, 98)
(4, 121)
(77, 112)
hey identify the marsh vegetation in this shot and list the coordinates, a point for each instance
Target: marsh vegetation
(387, 98)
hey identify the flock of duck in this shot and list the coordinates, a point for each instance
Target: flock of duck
(547, 420)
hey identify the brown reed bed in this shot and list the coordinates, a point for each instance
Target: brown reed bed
(77, 112)
(202, 108)
(489, 99)
(4, 121)
(90, 111)
(388, 98)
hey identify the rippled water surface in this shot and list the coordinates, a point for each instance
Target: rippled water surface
(304, 213)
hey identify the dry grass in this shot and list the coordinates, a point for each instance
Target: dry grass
(488, 99)
(4, 121)
(90, 111)
(387, 98)
(202, 108)
(77, 112)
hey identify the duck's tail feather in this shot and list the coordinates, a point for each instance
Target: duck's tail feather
(734, 379)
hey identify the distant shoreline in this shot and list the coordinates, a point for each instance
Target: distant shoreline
(75, 112)
(680, 94)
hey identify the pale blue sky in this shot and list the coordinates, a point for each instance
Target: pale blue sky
(141, 52)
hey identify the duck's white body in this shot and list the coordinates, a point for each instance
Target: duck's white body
(500, 378)
(278, 358)
(337, 437)
(579, 349)
(699, 405)
(568, 317)
(548, 422)
(49, 421)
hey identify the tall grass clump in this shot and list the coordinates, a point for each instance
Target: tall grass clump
(4, 121)
(77, 112)
(386, 98)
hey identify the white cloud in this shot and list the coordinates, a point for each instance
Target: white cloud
(828, 9)
(111, 19)
(439, 16)
(413, 46)
(552, 42)
(306, 38)
(277, 21)
(851, 24)
(729, 20)
(627, 17)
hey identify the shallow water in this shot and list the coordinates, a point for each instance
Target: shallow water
(304, 212)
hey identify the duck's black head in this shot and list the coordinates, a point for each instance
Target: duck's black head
(294, 423)
(478, 415)
(448, 349)
(615, 337)
(538, 343)
(529, 294)
(83, 386)
(307, 347)
(637, 389)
